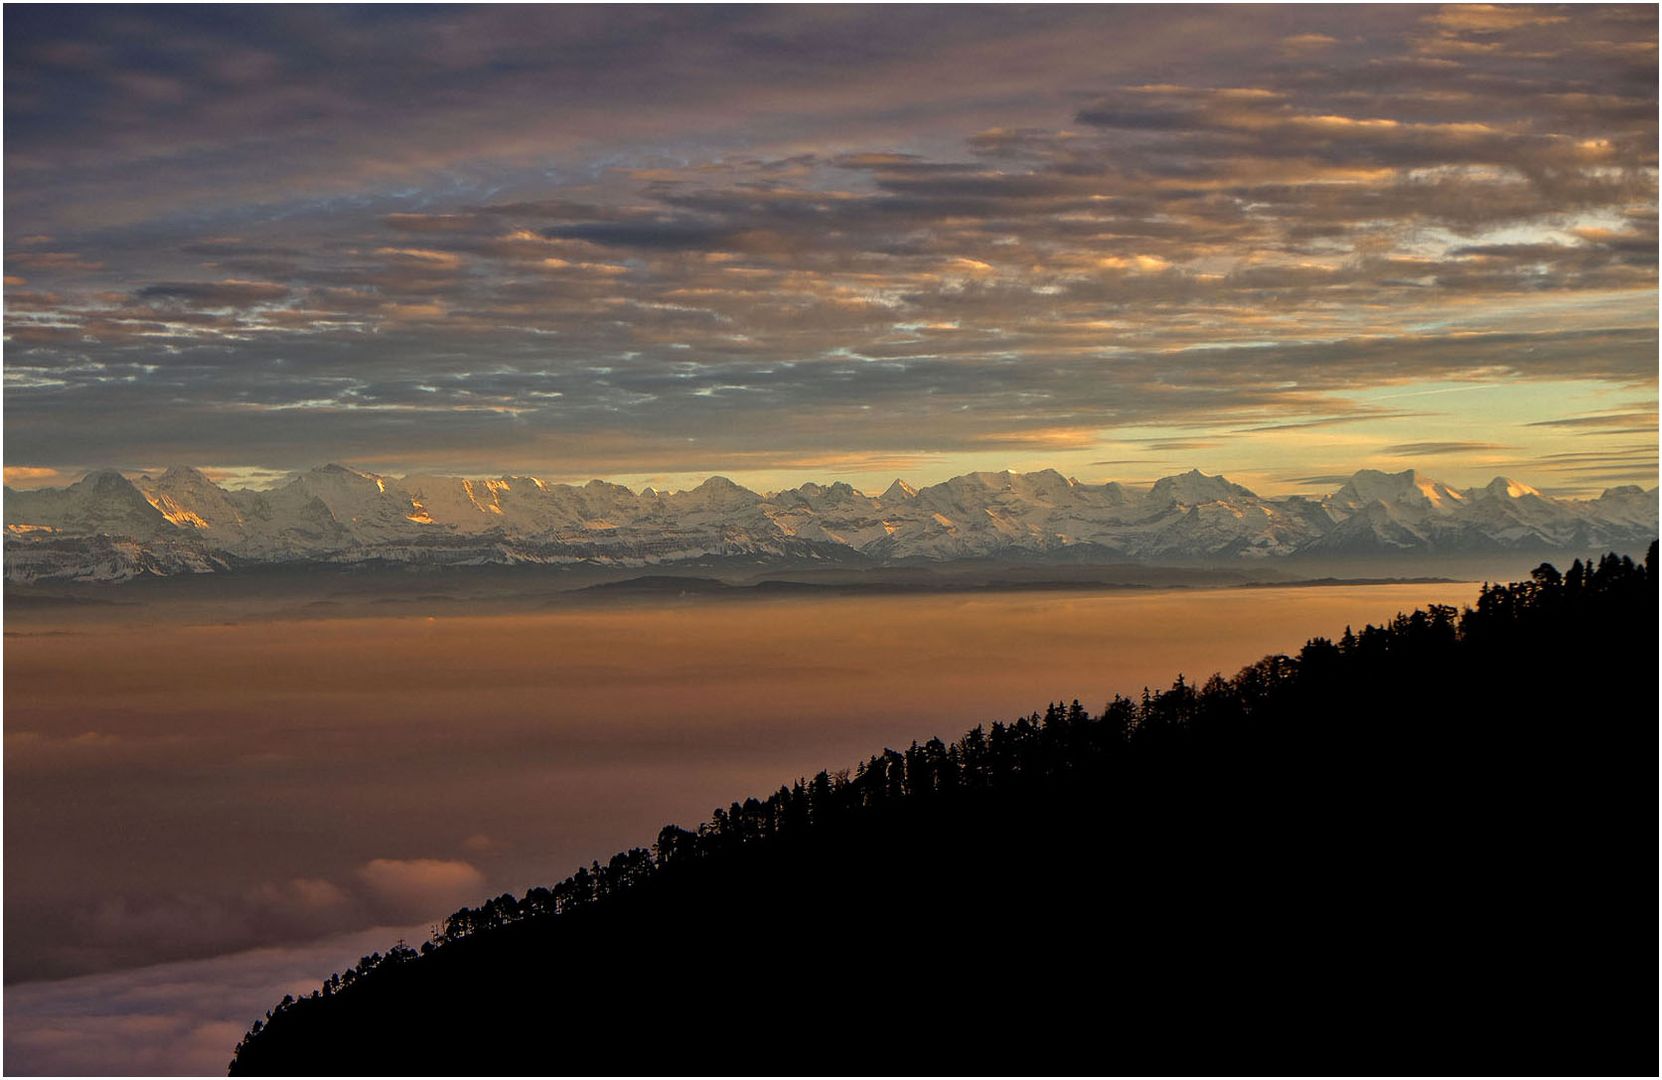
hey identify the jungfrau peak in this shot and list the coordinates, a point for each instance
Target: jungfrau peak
(1404, 489)
(107, 526)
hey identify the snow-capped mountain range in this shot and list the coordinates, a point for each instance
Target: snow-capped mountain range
(110, 527)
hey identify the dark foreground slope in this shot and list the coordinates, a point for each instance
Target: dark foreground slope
(1428, 847)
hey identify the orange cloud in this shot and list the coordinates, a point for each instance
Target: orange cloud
(421, 888)
(1053, 438)
(29, 476)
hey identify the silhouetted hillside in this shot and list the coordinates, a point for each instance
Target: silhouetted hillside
(1424, 847)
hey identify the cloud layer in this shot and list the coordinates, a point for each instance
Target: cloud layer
(643, 242)
(178, 1019)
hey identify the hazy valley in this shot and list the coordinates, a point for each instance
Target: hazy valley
(251, 776)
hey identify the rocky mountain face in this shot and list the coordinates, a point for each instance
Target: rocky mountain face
(108, 527)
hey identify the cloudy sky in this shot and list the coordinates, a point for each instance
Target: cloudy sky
(652, 244)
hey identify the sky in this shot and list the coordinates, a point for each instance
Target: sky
(652, 244)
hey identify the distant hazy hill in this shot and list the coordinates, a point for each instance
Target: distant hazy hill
(1425, 847)
(109, 528)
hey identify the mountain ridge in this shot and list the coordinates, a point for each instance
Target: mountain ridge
(110, 527)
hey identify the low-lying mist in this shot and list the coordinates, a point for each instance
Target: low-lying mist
(179, 785)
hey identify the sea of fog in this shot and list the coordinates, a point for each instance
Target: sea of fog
(221, 804)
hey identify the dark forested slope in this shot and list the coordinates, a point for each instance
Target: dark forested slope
(1425, 847)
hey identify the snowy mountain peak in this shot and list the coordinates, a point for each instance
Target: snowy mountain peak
(898, 492)
(189, 499)
(1504, 488)
(993, 481)
(102, 480)
(180, 478)
(813, 492)
(101, 503)
(717, 494)
(1195, 486)
(1407, 488)
(1045, 481)
(338, 478)
(1115, 494)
